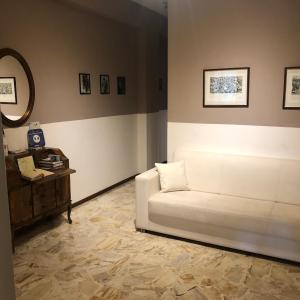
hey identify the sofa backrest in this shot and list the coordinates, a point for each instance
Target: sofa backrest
(246, 176)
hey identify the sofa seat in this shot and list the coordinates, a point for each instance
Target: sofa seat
(243, 214)
(285, 221)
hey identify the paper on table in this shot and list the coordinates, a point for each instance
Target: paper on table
(28, 170)
(45, 172)
(26, 164)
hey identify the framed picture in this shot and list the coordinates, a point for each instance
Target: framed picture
(226, 87)
(104, 84)
(291, 95)
(121, 84)
(8, 90)
(84, 84)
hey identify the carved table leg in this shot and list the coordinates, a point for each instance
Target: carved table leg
(69, 214)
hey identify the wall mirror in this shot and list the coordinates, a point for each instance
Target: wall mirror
(17, 89)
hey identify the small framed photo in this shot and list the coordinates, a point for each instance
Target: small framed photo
(291, 96)
(226, 87)
(84, 84)
(8, 90)
(121, 84)
(104, 84)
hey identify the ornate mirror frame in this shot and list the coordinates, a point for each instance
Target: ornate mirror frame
(17, 123)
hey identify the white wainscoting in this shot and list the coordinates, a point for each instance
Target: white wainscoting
(282, 142)
(103, 150)
(142, 142)
(152, 139)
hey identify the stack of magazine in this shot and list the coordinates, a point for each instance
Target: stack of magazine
(52, 162)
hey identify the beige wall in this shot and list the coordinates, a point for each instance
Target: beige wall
(60, 40)
(152, 66)
(58, 43)
(261, 34)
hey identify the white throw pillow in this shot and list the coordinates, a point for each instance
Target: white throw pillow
(172, 177)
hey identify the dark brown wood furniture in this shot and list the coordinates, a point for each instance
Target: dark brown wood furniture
(30, 201)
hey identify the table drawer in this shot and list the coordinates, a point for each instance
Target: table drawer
(20, 205)
(43, 197)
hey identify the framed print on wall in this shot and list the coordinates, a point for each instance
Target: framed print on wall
(121, 84)
(84, 84)
(8, 90)
(291, 96)
(104, 84)
(226, 87)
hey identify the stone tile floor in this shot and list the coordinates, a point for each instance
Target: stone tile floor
(101, 256)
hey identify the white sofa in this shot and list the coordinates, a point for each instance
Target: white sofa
(243, 202)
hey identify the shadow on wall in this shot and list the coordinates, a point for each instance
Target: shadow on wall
(6, 270)
(156, 137)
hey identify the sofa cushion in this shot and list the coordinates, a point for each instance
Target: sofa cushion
(172, 176)
(203, 170)
(251, 177)
(262, 178)
(285, 221)
(244, 214)
(214, 209)
(289, 186)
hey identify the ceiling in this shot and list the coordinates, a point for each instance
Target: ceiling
(159, 6)
(128, 11)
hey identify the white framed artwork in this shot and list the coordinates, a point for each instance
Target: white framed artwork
(8, 90)
(291, 96)
(226, 87)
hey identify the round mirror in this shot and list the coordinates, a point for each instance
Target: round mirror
(16, 88)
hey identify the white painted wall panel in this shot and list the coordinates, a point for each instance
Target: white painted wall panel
(282, 142)
(102, 150)
(142, 142)
(152, 139)
(163, 133)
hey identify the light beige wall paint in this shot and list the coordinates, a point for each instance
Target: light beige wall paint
(7, 291)
(152, 66)
(264, 35)
(60, 40)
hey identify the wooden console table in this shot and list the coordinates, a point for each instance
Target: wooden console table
(31, 201)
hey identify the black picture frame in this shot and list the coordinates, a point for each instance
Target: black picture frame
(205, 71)
(104, 84)
(284, 103)
(15, 96)
(85, 84)
(121, 85)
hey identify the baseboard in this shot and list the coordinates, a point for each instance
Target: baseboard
(84, 200)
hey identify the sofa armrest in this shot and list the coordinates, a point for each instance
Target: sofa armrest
(146, 185)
